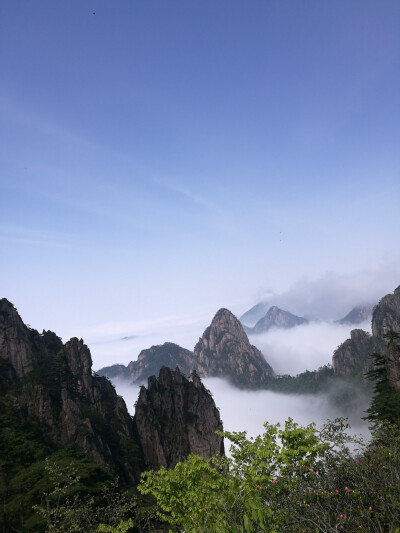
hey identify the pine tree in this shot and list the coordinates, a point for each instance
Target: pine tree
(385, 403)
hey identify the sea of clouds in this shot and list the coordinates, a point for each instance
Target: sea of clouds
(289, 351)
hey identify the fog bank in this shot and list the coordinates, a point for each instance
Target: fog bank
(248, 410)
(305, 347)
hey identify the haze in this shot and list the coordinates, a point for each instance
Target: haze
(161, 160)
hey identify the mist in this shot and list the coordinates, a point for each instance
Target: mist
(333, 295)
(242, 410)
(305, 347)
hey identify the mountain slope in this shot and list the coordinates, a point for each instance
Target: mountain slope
(225, 351)
(276, 318)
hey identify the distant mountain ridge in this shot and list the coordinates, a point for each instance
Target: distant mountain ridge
(51, 386)
(223, 350)
(253, 315)
(276, 318)
(357, 315)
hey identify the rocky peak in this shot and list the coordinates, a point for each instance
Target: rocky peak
(174, 417)
(386, 315)
(224, 350)
(277, 318)
(357, 315)
(78, 357)
(53, 386)
(353, 356)
(15, 343)
(152, 359)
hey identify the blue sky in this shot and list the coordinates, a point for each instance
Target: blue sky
(167, 158)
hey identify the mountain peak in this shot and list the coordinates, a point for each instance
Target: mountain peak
(277, 318)
(224, 350)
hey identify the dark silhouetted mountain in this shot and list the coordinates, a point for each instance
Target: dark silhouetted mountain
(357, 315)
(174, 417)
(150, 361)
(53, 386)
(276, 318)
(50, 386)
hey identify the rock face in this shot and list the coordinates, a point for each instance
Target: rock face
(15, 342)
(150, 361)
(353, 355)
(276, 318)
(53, 385)
(175, 417)
(386, 315)
(225, 351)
(393, 365)
(357, 315)
(168, 354)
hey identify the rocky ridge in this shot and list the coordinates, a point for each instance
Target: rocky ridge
(354, 354)
(150, 361)
(275, 318)
(52, 385)
(174, 417)
(223, 350)
(357, 315)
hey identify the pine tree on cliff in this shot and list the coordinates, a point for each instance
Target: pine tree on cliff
(385, 403)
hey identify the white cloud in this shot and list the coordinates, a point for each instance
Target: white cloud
(306, 347)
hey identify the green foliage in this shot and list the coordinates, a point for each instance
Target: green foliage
(385, 404)
(308, 382)
(291, 479)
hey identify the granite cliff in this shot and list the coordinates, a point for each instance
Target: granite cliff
(225, 351)
(150, 361)
(51, 386)
(353, 356)
(174, 417)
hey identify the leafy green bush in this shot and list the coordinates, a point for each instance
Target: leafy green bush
(292, 479)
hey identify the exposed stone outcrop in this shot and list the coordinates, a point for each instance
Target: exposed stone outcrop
(386, 315)
(151, 360)
(225, 351)
(53, 385)
(15, 344)
(276, 318)
(353, 356)
(175, 417)
(392, 362)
